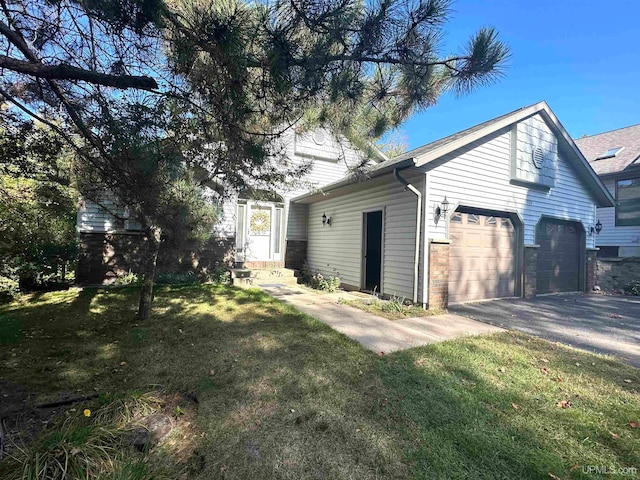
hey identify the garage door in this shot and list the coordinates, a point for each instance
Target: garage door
(558, 256)
(482, 257)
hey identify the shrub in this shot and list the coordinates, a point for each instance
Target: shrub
(186, 278)
(9, 289)
(328, 284)
(633, 288)
(395, 305)
(128, 279)
(218, 276)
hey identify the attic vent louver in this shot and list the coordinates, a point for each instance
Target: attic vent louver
(319, 137)
(538, 157)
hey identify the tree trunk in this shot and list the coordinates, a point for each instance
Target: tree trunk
(149, 261)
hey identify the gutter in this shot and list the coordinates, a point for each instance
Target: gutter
(416, 255)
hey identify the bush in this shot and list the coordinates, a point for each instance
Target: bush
(9, 289)
(128, 279)
(319, 281)
(186, 278)
(395, 305)
(633, 288)
(219, 276)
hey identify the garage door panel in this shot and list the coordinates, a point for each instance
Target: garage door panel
(558, 267)
(482, 257)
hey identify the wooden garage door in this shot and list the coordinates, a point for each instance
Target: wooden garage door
(558, 256)
(482, 257)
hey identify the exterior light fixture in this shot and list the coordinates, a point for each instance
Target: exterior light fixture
(597, 228)
(326, 220)
(441, 210)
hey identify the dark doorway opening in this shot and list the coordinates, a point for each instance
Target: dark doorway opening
(373, 250)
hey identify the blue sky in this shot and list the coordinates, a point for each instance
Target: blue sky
(582, 57)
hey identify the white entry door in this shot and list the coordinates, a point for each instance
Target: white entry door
(259, 231)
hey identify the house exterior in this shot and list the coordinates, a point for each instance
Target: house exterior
(503, 209)
(615, 157)
(253, 230)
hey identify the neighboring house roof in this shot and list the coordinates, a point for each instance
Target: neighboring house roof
(593, 147)
(426, 154)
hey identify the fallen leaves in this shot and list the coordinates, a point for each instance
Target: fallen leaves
(555, 477)
(563, 404)
(634, 424)
(614, 435)
(544, 370)
(627, 380)
(615, 315)
(515, 406)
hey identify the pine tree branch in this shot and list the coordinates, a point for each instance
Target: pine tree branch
(69, 72)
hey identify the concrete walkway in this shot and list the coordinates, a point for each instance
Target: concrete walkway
(374, 332)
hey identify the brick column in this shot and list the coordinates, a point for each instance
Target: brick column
(592, 269)
(295, 254)
(530, 269)
(438, 274)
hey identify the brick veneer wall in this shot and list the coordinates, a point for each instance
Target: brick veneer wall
(592, 269)
(104, 257)
(614, 274)
(438, 274)
(295, 254)
(530, 269)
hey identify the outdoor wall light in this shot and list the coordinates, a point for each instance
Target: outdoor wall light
(441, 210)
(326, 220)
(597, 228)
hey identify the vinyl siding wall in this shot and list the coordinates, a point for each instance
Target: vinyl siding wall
(329, 162)
(479, 176)
(626, 236)
(338, 248)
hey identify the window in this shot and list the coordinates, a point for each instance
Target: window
(240, 227)
(278, 227)
(612, 152)
(628, 202)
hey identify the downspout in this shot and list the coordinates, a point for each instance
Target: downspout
(416, 255)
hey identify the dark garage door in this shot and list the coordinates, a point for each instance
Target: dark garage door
(558, 256)
(482, 257)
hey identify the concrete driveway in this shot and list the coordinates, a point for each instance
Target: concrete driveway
(597, 323)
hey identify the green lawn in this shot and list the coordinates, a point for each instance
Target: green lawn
(260, 391)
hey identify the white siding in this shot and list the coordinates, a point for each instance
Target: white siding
(338, 248)
(297, 221)
(533, 133)
(93, 218)
(329, 162)
(479, 176)
(627, 236)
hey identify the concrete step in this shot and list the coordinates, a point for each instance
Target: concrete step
(262, 273)
(244, 277)
(255, 282)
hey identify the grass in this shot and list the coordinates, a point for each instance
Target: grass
(393, 309)
(280, 395)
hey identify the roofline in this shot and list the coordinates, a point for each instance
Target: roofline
(599, 191)
(608, 131)
(603, 196)
(352, 179)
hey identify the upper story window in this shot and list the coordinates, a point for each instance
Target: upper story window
(612, 152)
(628, 202)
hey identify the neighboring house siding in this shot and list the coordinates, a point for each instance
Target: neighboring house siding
(338, 248)
(626, 236)
(479, 176)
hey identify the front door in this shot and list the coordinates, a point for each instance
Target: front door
(372, 250)
(259, 231)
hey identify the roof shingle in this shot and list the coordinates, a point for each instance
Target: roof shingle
(594, 146)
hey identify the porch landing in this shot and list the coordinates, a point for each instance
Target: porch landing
(252, 277)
